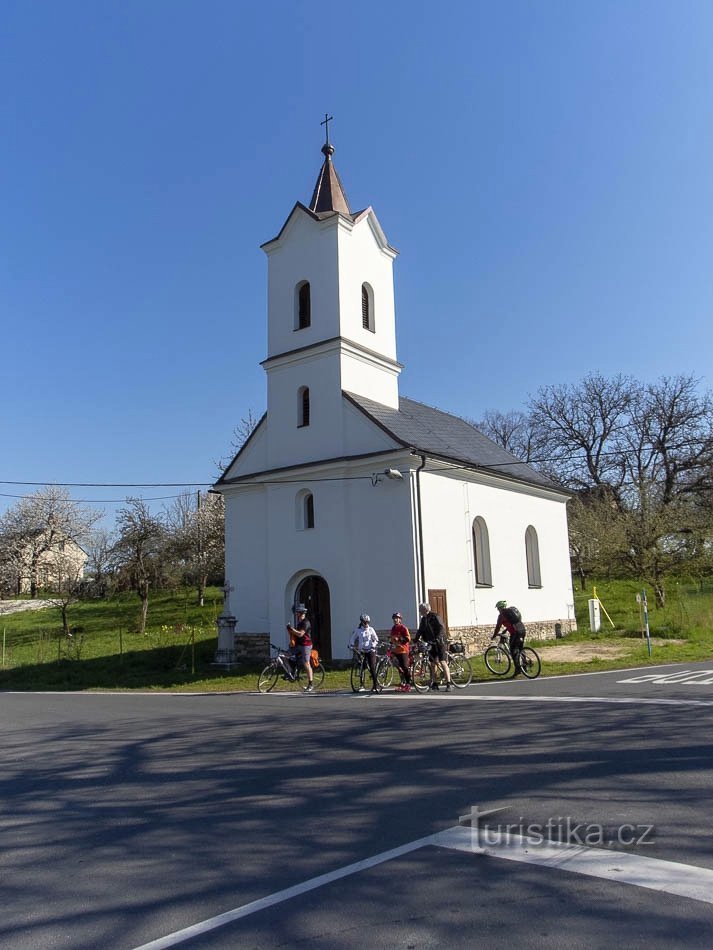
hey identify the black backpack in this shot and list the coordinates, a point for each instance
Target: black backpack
(513, 614)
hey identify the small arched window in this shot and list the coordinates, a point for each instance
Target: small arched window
(304, 510)
(532, 554)
(309, 510)
(303, 306)
(481, 554)
(303, 406)
(367, 308)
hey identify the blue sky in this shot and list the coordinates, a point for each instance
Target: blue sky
(543, 168)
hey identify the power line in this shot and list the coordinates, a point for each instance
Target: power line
(108, 484)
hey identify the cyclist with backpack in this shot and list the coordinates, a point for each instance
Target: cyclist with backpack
(432, 631)
(511, 619)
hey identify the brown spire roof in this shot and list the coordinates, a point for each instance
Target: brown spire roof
(328, 193)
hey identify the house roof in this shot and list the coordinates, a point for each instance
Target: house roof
(439, 434)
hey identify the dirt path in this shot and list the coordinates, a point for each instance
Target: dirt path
(583, 652)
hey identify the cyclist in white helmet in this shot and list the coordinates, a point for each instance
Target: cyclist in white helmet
(365, 639)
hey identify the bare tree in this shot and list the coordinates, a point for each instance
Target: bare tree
(515, 432)
(669, 468)
(138, 550)
(241, 433)
(639, 458)
(583, 428)
(40, 525)
(99, 550)
(196, 526)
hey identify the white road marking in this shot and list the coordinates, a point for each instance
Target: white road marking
(687, 677)
(278, 897)
(631, 700)
(671, 877)
(626, 867)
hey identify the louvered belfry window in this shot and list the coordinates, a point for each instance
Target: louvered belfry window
(365, 322)
(304, 307)
(304, 406)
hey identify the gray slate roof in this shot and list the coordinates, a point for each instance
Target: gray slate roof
(440, 434)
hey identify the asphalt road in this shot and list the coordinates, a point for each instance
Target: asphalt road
(127, 818)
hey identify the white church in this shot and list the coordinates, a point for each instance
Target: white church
(351, 498)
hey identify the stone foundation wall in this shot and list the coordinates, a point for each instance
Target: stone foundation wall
(252, 647)
(476, 639)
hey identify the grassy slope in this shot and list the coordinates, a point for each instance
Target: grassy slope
(177, 650)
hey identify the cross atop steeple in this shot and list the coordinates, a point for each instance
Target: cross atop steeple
(328, 193)
(327, 119)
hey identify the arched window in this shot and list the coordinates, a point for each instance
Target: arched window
(304, 510)
(303, 406)
(309, 510)
(303, 306)
(367, 308)
(532, 553)
(481, 554)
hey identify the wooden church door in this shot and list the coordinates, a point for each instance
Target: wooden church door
(437, 600)
(313, 592)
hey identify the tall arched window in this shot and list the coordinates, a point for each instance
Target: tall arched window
(309, 510)
(367, 308)
(303, 306)
(304, 510)
(481, 554)
(532, 554)
(303, 406)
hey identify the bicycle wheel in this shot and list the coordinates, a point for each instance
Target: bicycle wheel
(497, 659)
(267, 679)
(317, 675)
(421, 674)
(385, 672)
(461, 671)
(530, 663)
(357, 676)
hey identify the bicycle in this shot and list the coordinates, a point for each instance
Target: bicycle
(499, 660)
(388, 668)
(458, 664)
(360, 667)
(284, 665)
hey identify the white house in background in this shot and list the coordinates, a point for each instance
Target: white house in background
(348, 497)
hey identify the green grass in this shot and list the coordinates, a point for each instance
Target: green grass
(177, 650)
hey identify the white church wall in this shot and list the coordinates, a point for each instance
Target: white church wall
(360, 545)
(449, 508)
(246, 557)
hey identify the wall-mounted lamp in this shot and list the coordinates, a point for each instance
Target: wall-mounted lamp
(392, 473)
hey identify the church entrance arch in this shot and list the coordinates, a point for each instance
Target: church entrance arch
(313, 592)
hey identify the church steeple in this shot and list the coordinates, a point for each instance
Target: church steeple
(328, 193)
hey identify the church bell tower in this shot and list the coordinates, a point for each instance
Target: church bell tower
(331, 320)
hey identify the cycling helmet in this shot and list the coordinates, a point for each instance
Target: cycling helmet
(365, 618)
(501, 605)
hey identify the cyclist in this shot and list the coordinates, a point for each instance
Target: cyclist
(301, 633)
(365, 639)
(431, 630)
(511, 619)
(400, 640)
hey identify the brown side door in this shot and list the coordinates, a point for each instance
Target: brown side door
(439, 605)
